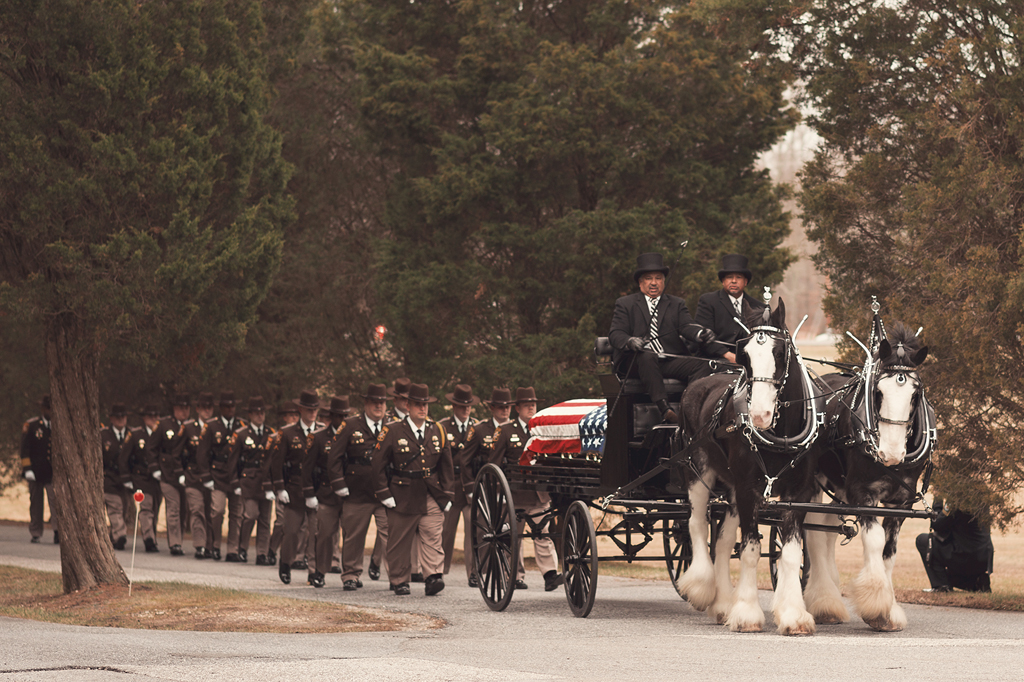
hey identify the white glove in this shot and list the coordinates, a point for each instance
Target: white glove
(312, 502)
(30, 475)
(469, 497)
(269, 495)
(342, 493)
(447, 507)
(238, 491)
(283, 498)
(181, 479)
(208, 485)
(157, 475)
(129, 485)
(389, 503)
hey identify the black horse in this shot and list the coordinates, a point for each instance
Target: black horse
(879, 435)
(752, 430)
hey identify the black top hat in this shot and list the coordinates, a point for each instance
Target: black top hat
(181, 400)
(308, 400)
(149, 410)
(205, 400)
(500, 397)
(525, 395)
(401, 387)
(649, 262)
(734, 263)
(462, 395)
(227, 399)
(375, 392)
(118, 410)
(419, 393)
(256, 404)
(339, 406)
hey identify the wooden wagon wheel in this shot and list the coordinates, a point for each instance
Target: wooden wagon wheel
(494, 537)
(579, 558)
(678, 549)
(775, 555)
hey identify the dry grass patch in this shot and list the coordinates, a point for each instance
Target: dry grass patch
(38, 595)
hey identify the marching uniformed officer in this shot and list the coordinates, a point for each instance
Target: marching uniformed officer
(194, 450)
(458, 426)
(37, 469)
(350, 467)
(316, 485)
(251, 445)
(165, 436)
(286, 473)
(117, 497)
(509, 442)
(289, 413)
(137, 455)
(719, 310)
(414, 478)
(224, 469)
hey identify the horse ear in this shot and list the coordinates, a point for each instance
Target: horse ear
(779, 316)
(884, 349)
(919, 355)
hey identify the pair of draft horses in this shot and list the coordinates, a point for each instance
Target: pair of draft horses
(770, 430)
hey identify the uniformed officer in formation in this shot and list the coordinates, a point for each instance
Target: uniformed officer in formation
(458, 426)
(165, 436)
(250, 443)
(509, 443)
(193, 448)
(316, 485)
(37, 469)
(349, 465)
(414, 478)
(117, 497)
(144, 469)
(224, 470)
(289, 414)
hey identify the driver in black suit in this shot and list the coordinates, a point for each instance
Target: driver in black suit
(718, 310)
(642, 349)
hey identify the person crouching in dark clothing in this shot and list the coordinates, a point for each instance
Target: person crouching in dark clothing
(957, 552)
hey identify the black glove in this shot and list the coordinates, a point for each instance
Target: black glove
(705, 336)
(634, 343)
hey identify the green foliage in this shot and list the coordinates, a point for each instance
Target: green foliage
(915, 197)
(533, 150)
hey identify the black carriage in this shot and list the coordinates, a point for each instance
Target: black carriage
(638, 475)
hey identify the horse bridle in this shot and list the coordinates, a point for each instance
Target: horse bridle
(760, 336)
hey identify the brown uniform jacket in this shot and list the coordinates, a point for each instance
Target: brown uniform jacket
(251, 452)
(193, 448)
(223, 458)
(477, 452)
(509, 442)
(316, 478)
(139, 460)
(407, 471)
(458, 441)
(165, 447)
(115, 468)
(35, 449)
(350, 463)
(286, 458)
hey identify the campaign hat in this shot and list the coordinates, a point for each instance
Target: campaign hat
(375, 392)
(339, 406)
(118, 410)
(308, 400)
(400, 387)
(525, 395)
(149, 410)
(227, 399)
(419, 393)
(256, 404)
(205, 400)
(181, 400)
(462, 395)
(500, 397)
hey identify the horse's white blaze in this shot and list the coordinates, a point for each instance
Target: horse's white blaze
(822, 596)
(746, 614)
(872, 589)
(897, 401)
(723, 581)
(762, 393)
(698, 582)
(791, 616)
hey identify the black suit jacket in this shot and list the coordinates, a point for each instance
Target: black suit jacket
(715, 311)
(632, 317)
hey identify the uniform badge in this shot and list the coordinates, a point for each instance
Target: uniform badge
(142, 443)
(357, 438)
(169, 435)
(451, 436)
(435, 442)
(514, 439)
(39, 434)
(106, 446)
(488, 441)
(249, 442)
(218, 437)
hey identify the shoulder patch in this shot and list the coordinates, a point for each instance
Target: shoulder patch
(383, 432)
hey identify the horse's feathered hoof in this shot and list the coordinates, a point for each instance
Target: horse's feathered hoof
(883, 625)
(748, 627)
(828, 619)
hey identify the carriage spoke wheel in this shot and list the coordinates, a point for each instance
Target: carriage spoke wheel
(494, 537)
(678, 549)
(579, 558)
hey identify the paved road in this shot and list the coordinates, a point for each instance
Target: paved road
(638, 630)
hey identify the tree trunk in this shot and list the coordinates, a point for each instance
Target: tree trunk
(86, 555)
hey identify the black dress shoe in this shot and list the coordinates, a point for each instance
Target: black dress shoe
(151, 546)
(401, 589)
(35, 539)
(552, 580)
(336, 569)
(201, 553)
(521, 585)
(261, 560)
(120, 542)
(349, 586)
(176, 550)
(359, 583)
(316, 579)
(416, 578)
(214, 553)
(243, 556)
(300, 565)
(271, 558)
(373, 571)
(285, 573)
(474, 581)
(435, 583)
(232, 558)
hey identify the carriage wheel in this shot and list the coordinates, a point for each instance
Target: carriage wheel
(579, 558)
(494, 538)
(775, 554)
(678, 548)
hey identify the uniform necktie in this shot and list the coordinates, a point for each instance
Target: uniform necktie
(655, 343)
(376, 429)
(419, 436)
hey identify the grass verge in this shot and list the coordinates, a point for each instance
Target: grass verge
(38, 595)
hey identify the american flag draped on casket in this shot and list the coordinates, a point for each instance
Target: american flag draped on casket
(575, 426)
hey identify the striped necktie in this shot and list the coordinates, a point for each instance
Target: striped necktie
(655, 343)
